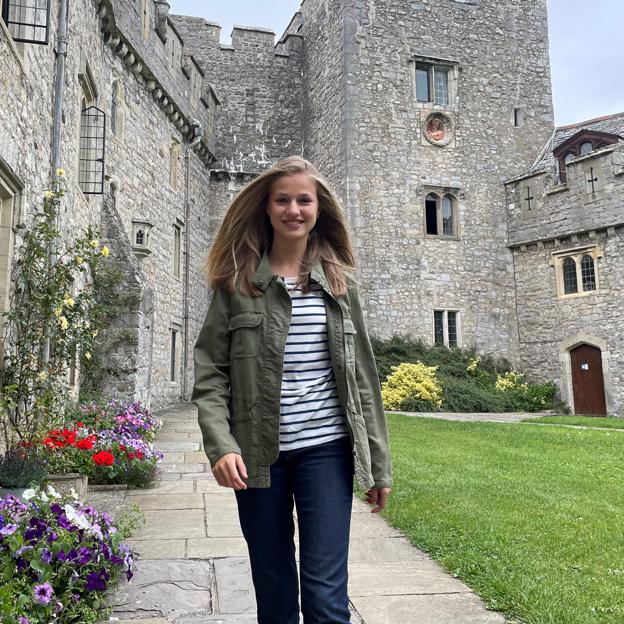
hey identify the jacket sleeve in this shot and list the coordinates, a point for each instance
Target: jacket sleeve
(370, 397)
(211, 392)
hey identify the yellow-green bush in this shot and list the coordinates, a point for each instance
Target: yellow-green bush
(409, 382)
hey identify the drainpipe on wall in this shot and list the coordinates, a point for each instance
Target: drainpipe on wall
(57, 123)
(197, 137)
(59, 87)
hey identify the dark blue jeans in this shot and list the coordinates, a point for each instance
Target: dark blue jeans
(319, 480)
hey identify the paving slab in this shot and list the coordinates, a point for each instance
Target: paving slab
(235, 593)
(195, 476)
(187, 445)
(180, 487)
(208, 485)
(401, 578)
(166, 590)
(236, 618)
(371, 525)
(383, 549)
(173, 457)
(149, 502)
(196, 457)
(462, 608)
(505, 417)
(184, 467)
(172, 525)
(216, 547)
(159, 548)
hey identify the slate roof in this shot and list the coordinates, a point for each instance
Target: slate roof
(611, 124)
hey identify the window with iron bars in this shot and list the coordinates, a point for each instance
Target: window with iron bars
(28, 21)
(92, 150)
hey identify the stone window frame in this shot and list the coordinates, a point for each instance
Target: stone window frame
(118, 108)
(141, 231)
(11, 199)
(173, 47)
(445, 327)
(176, 246)
(174, 163)
(175, 354)
(559, 259)
(18, 48)
(441, 192)
(419, 61)
(146, 18)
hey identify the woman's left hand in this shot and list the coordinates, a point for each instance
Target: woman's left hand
(378, 497)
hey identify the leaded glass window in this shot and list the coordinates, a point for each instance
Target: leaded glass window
(27, 20)
(452, 328)
(588, 273)
(139, 238)
(447, 216)
(569, 276)
(440, 83)
(431, 209)
(586, 148)
(438, 326)
(422, 84)
(92, 144)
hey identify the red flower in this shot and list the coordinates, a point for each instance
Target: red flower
(85, 444)
(80, 424)
(104, 458)
(131, 456)
(140, 455)
(122, 448)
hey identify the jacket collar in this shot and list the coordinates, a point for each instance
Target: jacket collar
(264, 275)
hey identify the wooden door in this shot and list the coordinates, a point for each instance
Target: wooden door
(588, 381)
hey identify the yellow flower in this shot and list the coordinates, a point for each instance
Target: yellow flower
(49, 194)
(64, 322)
(68, 301)
(87, 355)
(94, 243)
(87, 324)
(79, 259)
(58, 310)
(60, 172)
(409, 381)
(42, 375)
(105, 251)
(95, 332)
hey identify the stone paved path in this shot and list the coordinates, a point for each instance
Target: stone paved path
(193, 565)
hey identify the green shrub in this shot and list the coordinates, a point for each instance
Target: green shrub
(470, 382)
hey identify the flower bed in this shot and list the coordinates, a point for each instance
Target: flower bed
(58, 557)
(110, 443)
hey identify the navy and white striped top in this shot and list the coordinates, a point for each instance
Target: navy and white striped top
(310, 411)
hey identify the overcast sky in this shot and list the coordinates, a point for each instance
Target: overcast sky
(586, 46)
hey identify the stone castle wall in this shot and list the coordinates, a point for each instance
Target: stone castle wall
(499, 57)
(156, 104)
(564, 218)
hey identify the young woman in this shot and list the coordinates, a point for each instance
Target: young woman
(287, 389)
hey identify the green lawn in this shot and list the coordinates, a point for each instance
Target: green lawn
(531, 518)
(584, 421)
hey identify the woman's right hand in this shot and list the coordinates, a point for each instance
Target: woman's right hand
(230, 471)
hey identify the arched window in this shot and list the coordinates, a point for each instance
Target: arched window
(569, 276)
(586, 148)
(140, 237)
(440, 214)
(447, 216)
(432, 201)
(568, 157)
(588, 273)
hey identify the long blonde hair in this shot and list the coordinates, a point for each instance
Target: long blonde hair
(246, 233)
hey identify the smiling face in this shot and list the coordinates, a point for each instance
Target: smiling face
(292, 207)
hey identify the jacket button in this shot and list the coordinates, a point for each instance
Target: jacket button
(260, 283)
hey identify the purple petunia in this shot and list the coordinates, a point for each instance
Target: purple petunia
(46, 555)
(9, 529)
(22, 619)
(84, 555)
(96, 581)
(43, 593)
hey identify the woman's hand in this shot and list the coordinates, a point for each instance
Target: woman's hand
(378, 497)
(230, 471)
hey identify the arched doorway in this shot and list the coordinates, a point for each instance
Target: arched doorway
(588, 380)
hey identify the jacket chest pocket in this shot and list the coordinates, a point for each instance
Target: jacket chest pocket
(245, 329)
(349, 340)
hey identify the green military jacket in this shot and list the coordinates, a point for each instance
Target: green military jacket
(238, 377)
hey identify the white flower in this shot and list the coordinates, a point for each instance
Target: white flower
(52, 492)
(70, 512)
(28, 494)
(43, 497)
(73, 494)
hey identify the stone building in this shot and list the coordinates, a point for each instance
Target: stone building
(420, 113)
(566, 233)
(136, 142)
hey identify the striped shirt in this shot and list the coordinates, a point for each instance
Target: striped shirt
(310, 411)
